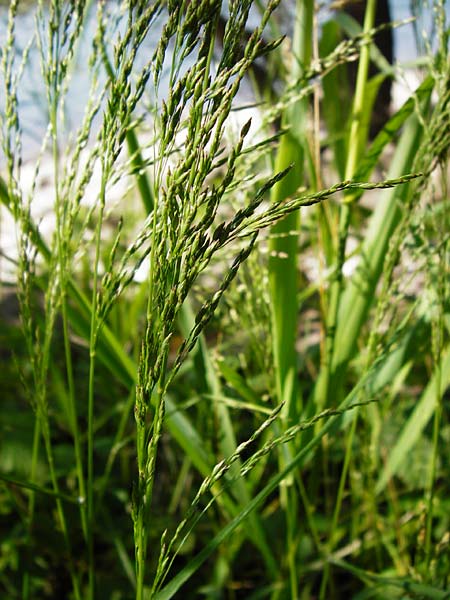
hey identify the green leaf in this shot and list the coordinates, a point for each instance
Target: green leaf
(418, 420)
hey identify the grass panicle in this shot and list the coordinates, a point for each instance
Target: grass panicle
(205, 399)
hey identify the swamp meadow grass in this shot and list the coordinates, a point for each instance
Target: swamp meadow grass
(225, 369)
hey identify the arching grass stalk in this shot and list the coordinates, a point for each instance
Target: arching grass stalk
(206, 372)
(183, 215)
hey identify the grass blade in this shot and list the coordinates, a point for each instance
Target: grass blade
(417, 422)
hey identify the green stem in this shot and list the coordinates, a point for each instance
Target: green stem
(354, 145)
(338, 505)
(53, 100)
(60, 212)
(26, 585)
(115, 446)
(358, 296)
(74, 418)
(94, 329)
(59, 504)
(90, 464)
(434, 460)
(283, 275)
(323, 387)
(147, 454)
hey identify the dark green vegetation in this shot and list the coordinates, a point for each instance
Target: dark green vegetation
(188, 408)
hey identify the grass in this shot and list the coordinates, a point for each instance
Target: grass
(186, 409)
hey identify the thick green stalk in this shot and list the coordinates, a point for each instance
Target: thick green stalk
(354, 145)
(323, 388)
(283, 274)
(283, 277)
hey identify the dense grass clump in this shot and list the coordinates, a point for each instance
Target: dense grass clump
(225, 347)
